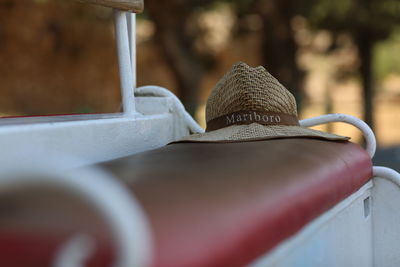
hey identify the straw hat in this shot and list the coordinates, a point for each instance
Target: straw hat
(250, 104)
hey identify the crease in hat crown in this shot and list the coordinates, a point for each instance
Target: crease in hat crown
(247, 88)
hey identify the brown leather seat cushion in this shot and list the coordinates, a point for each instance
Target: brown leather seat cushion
(224, 204)
(208, 204)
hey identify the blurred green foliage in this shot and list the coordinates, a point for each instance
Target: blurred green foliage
(386, 56)
(378, 16)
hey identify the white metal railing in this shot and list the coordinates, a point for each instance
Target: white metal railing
(370, 141)
(131, 21)
(121, 211)
(179, 111)
(387, 173)
(125, 32)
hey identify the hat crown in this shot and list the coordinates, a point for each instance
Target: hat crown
(245, 88)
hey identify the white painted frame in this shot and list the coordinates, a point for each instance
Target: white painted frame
(98, 137)
(342, 236)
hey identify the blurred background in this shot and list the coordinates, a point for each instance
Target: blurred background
(343, 56)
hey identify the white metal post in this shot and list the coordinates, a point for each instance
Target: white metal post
(124, 61)
(131, 18)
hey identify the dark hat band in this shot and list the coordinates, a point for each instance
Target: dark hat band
(245, 117)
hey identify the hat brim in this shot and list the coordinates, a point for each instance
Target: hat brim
(255, 131)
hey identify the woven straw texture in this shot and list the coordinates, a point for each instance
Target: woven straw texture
(246, 88)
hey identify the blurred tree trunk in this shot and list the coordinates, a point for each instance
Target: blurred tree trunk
(365, 44)
(279, 46)
(177, 44)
